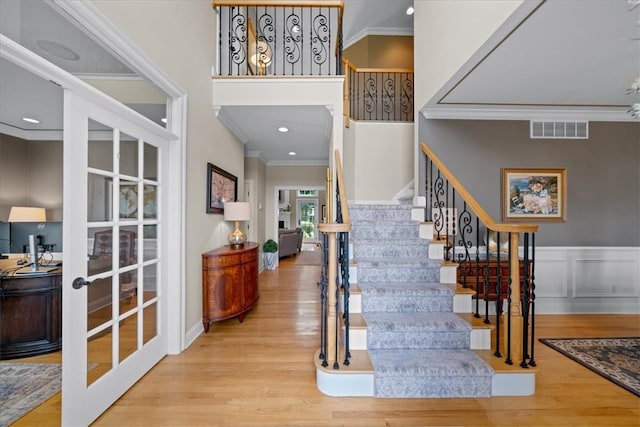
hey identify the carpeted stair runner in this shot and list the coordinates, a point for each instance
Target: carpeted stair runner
(418, 347)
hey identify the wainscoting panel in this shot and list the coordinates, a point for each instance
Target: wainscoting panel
(587, 280)
(552, 278)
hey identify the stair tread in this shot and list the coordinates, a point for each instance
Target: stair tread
(399, 261)
(406, 288)
(429, 362)
(414, 322)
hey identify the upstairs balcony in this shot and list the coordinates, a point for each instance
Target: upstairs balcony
(290, 39)
(279, 38)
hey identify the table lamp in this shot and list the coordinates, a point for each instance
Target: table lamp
(237, 211)
(28, 214)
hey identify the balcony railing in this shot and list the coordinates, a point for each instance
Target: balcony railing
(378, 93)
(285, 38)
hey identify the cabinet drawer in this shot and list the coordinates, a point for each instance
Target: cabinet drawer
(223, 261)
(249, 256)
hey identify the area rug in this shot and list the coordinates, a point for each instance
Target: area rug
(616, 359)
(23, 386)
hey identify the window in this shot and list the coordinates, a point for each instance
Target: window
(307, 193)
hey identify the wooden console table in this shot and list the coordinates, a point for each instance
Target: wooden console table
(30, 314)
(229, 283)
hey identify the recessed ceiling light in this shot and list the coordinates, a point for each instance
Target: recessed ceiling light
(410, 10)
(292, 153)
(30, 120)
(283, 129)
(163, 120)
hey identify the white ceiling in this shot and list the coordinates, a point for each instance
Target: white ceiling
(565, 55)
(576, 58)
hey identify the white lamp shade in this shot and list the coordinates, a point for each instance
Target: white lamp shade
(237, 211)
(27, 214)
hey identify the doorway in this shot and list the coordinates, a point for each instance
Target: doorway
(307, 214)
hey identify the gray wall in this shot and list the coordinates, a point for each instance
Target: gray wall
(603, 173)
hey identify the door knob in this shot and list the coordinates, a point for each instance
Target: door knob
(79, 282)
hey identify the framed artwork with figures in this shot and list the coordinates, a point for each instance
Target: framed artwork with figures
(534, 194)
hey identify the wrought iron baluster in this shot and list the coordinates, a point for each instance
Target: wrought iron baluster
(508, 360)
(486, 280)
(499, 298)
(532, 287)
(346, 291)
(477, 262)
(524, 280)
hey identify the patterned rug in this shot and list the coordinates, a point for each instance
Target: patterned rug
(616, 359)
(23, 386)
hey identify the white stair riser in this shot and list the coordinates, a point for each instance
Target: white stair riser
(462, 303)
(343, 384)
(436, 250)
(357, 338)
(481, 339)
(355, 303)
(513, 384)
(448, 274)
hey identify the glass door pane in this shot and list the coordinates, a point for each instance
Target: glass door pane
(307, 214)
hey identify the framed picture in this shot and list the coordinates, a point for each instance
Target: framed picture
(221, 187)
(534, 194)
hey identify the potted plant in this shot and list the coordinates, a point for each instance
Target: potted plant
(270, 254)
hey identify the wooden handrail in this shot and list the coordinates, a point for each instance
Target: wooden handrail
(471, 201)
(343, 193)
(349, 65)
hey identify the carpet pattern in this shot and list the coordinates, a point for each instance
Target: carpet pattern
(23, 386)
(418, 347)
(616, 359)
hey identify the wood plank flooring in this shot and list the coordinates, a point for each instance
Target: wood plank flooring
(261, 373)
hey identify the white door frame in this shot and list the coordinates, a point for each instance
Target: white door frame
(251, 197)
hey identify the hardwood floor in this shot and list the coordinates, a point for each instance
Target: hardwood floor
(261, 373)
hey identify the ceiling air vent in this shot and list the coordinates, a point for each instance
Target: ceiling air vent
(559, 130)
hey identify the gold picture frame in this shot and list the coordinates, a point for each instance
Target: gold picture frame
(534, 194)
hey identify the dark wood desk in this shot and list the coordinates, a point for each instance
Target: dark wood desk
(30, 314)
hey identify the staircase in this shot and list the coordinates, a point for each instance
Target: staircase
(408, 336)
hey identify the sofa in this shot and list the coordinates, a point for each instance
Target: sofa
(289, 241)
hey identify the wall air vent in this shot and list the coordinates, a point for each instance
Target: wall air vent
(558, 130)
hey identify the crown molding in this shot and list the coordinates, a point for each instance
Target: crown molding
(515, 113)
(376, 31)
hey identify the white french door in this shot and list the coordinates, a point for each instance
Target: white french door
(115, 313)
